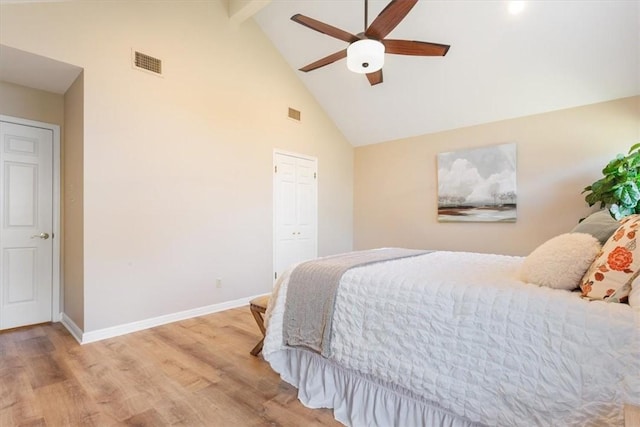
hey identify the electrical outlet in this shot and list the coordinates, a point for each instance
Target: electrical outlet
(218, 282)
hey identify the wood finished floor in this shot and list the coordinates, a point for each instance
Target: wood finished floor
(196, 372)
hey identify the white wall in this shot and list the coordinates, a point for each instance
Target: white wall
(558, 154)
(177, 170)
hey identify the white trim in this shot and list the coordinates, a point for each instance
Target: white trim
(56, 305)
(127, 328)
(71, 326)
(292, 154)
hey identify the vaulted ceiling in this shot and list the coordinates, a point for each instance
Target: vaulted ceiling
(552, 55)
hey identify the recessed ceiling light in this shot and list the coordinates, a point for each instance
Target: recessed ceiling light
(515, 7)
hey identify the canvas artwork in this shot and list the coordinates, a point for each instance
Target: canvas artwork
(478, 184)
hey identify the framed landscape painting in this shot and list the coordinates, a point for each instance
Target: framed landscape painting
(478, 184)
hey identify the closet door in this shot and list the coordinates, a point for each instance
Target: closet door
(295, 210)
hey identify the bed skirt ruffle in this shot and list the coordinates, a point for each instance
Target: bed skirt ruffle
(356, 400)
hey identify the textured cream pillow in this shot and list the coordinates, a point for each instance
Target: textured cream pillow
(561, 262)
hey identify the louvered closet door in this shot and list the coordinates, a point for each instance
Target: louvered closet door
(295, 210)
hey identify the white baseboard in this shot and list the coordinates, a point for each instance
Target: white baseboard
(71, 326)
(115, 331)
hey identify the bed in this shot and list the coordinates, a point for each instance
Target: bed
(458, 339)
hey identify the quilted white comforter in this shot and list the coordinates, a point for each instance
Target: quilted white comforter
(461, 330)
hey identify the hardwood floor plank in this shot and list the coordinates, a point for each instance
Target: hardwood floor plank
(147, 418)
(39, 422)
(298, 416)
(181, 412)
(45, 370)
(17, 400)
(19, 334)
(197, 372)
(66, 404)
(229, 408)
(188, 370)
(35, 346)
(103, 385)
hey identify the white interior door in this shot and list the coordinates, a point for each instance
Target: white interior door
(26, 215)
(295, 210)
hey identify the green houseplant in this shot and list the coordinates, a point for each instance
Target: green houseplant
(619, 188)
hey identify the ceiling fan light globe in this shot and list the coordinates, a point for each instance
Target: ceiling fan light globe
(365, 56)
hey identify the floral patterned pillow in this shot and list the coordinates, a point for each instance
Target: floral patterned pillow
(610, 276)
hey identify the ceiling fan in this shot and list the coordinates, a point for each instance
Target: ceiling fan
(365, 53)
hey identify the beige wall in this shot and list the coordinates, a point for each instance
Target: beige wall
(73, 195)
(32, 104)
(559, 153)
(177, 170)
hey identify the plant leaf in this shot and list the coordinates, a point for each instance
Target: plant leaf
(620, 212)
(628, 194)
(615, 211)
(619, 187)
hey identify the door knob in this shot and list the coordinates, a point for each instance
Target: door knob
(43, 236)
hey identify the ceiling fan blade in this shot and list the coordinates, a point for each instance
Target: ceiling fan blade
(411, 47)
(323, 28)
(375, 77)
(325, 61)
(390, 16)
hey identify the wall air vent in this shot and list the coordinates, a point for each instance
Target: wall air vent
(294, 114)
(148, 63)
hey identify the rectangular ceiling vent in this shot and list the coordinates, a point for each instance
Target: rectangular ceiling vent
(148, 63)
(294, 114)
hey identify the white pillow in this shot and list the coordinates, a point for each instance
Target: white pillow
(561, 262)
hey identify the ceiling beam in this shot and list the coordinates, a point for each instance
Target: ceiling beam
(241, 10)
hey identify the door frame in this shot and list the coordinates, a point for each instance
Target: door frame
(56, 273)
(277, 151)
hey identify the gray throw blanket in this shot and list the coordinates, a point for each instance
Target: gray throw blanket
(312, 292)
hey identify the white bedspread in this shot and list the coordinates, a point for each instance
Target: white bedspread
(461, 330)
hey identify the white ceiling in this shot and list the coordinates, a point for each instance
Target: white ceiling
(554, 55)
